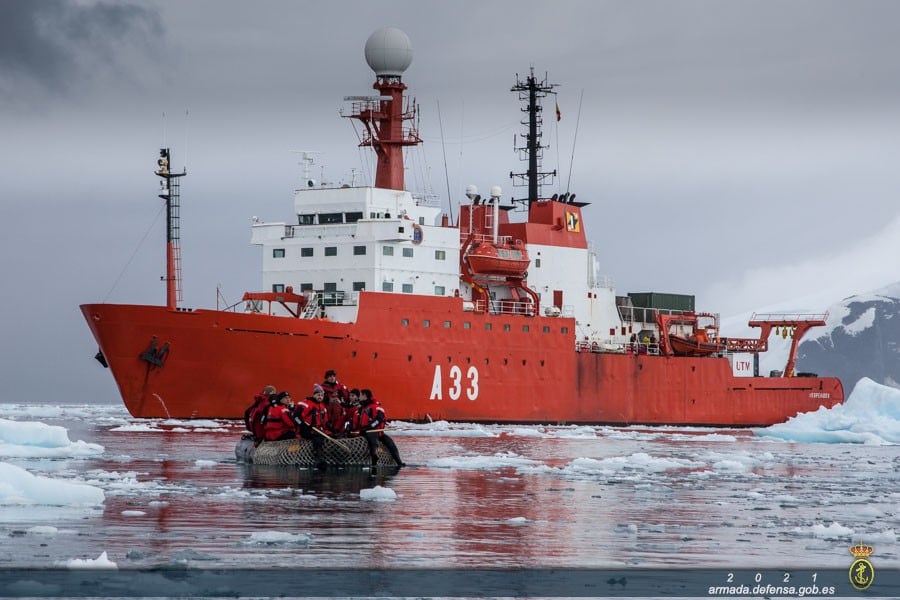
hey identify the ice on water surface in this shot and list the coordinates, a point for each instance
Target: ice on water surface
(147, 492)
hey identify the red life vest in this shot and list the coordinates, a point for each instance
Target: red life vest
(372, 415)
(254, 416)
(278, 422)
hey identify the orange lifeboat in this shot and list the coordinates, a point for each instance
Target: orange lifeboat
(509, 259)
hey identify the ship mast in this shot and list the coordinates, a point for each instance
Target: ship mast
(389, 54)
(169, 191)
(530, 91)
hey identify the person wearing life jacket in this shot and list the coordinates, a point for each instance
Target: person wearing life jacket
(336, 421)
(279, 423)
(350, 410)
(330, 384)
(254, 416)
(310, 414)
(372, 421)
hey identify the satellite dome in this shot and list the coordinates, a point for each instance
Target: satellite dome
(389, 52)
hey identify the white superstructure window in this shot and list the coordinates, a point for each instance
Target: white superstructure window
(407, 288)
(408, 252)
(277, 287)
(277, 252)
(359, 250)
(387, 250)
(359, 286)
(330, 250)
(440, 255)
(306, 252)
(439, 290)
(387, 286)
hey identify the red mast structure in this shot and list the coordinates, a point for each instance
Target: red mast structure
(169, 191)
(389, 53)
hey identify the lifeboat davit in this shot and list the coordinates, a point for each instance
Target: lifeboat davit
(487, 258)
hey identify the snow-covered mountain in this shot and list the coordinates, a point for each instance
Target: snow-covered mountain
(861, 337)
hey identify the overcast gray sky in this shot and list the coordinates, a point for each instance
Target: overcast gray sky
(741, 151)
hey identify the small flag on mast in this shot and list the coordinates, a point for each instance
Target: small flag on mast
(558, 114)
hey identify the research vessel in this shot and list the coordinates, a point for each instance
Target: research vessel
(496, 313)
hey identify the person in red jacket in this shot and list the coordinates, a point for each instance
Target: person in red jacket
(372, 421)
(255, 413)
(331, 384)
(279, 423)
(311, 415)
(336, 419)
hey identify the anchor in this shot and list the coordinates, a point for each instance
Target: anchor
(153, 355)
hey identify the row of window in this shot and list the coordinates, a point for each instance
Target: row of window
(357, 251)
(487, 326)
(358, 286)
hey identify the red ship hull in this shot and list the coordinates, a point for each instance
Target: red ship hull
(462, 366)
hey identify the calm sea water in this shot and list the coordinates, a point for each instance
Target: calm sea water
(474, 496)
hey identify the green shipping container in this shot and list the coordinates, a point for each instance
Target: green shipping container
(662, 300)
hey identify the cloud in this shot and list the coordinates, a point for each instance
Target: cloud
(52, 47)
(815, 283)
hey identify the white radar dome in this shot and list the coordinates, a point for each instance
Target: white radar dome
(389, 52)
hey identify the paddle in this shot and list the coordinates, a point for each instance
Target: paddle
(328, 437)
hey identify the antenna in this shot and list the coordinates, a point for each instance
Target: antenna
(307, 158)
(530, 91)
(574, 138)
(444, 149)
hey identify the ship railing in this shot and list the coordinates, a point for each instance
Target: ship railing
(313, 231)
(651, 348)
(336, 298)
(485, 237)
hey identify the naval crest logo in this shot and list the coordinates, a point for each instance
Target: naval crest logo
(862, 573)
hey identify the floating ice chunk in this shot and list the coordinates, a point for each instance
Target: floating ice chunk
(497, 461)
(23, 439)
(279, 537)
(829, 532)
(101, 562)
(518, 521)
(870, 415)
(133, 513)
(378, 494)
(19, 487)
(199, 463)
(43, 530)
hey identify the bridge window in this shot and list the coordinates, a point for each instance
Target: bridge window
(331, 218)
(306, 287)
(359, 250)
(330, 250)
(352, 217)
(306, 219)
(277, 252)
(306, 252)
(408, 252)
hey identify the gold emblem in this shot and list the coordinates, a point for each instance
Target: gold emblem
(862, 573)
